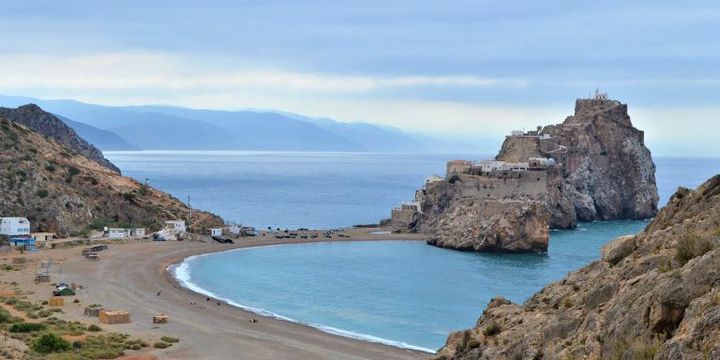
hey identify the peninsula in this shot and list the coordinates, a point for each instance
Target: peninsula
(593, 166)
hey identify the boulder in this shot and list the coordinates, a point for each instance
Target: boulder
(618, 249)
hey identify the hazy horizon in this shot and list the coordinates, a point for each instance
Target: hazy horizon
(474, 70)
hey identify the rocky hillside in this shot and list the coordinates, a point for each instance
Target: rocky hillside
(655, 295)
(60, 190)
(45, 123)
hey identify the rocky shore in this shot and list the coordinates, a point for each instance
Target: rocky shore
(655, 295)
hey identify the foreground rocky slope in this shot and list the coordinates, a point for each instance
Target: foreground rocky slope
(60, 190)
(45, 123)
(651, 296)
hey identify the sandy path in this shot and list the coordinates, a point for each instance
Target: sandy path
(130, 275)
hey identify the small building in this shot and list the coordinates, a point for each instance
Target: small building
(14, 226)
(176, 225)
(216, 232)
(114, 316)
(136, 232)
(432, 179)
(43, 237)
(517, 133)
(235, 229)
(117, 233)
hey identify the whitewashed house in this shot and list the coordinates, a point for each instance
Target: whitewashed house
(216, 232)
(136, 232)
(117, 233)
(235, 229)
(176, 225)
(14, 226)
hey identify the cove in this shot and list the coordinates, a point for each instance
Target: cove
(402, 293)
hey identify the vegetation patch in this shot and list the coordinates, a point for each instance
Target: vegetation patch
(27, 327)
(691, 246)
(492, 329)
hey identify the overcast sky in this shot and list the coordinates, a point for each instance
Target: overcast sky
(475, 68)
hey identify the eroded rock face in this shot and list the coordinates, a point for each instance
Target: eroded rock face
(604, 170)
(655, 295)
(492, 226)
(45, 123)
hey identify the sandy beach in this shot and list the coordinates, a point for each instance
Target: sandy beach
(130, 276)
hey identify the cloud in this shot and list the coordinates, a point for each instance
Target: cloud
(154, 72)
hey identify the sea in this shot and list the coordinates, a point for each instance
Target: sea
(401, 293)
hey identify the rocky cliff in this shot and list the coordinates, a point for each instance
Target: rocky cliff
(655, 295)
(60, 190)
(593, 166)
(492, 226)
(45, 123)
(604, 170)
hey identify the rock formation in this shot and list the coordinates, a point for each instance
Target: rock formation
(604, 170)
(45, 123)
(655, 295)
(492, 226)
(60, 190)
(593, 166)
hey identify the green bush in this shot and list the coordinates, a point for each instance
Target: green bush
(42, 193)
(492, 329)
(169, 339)
(129, 197)
(94, 328)
(5, 316)
(161, 345)
(50, 343)
(691, 246)
(26, 327)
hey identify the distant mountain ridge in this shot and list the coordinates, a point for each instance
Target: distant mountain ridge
(155, 127)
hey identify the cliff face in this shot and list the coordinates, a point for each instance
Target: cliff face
(605, 171)
(492, 226)
(45, 123)
(655, 295)
(60, 190)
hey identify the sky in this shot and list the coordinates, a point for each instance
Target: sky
(463, 68)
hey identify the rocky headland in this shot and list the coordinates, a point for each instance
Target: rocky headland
(655, 295)
(60, 189)
(592, 166)
(45, 123)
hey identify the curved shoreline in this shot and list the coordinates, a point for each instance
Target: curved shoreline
(172, 275)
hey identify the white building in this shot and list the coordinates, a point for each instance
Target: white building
(14, 226)
(117, 233)
(176, 225)
(216, 232)
(235, 229)
(433, 178)
(136, 232)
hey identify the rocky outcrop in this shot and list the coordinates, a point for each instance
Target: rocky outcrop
(593, 166)
(604, 170)
(651, 296)
(492, 226)
(45, 123)
(60, 190)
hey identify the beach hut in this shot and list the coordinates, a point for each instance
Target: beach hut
(114, 316)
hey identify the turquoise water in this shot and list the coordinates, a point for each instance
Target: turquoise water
(403, 293)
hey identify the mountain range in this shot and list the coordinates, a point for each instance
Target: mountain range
(154, 127)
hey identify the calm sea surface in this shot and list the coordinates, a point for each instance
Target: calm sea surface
(402, 293)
